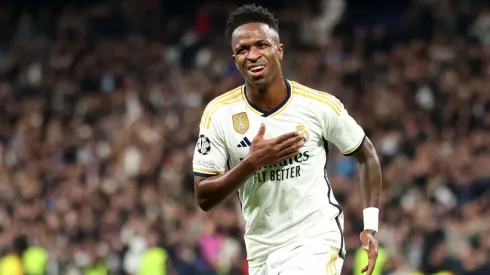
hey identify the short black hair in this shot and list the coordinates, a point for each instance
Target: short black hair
(250, 14)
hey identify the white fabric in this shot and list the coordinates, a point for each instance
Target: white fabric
(310, 259)
(290, 201)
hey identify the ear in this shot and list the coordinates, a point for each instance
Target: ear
(280, 51)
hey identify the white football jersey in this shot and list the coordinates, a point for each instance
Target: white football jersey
(290, 202)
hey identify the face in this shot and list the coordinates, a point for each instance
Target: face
(257, 53)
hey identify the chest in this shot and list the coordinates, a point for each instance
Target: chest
(242, 127)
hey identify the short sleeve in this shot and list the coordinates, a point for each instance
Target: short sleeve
(210, 155)
(341, 129)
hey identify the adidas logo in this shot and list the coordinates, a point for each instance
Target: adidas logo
(244, 143)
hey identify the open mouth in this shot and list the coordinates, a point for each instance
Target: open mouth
(256, 70)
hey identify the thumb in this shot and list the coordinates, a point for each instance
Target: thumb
(365, 247)
(365, 243)
(261, 132)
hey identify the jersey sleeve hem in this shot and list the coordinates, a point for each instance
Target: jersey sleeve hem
(355, 148)
(206, 173)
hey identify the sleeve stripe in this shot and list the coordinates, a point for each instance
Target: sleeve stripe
(324, 95)
(215, 103)
(211, 172)
(320, 99)
(355, 148)
(207, 122)
(203, 175)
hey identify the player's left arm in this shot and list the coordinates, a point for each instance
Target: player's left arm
(343, 131)
(370, 177)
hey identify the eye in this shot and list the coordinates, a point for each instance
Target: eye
(240, 51)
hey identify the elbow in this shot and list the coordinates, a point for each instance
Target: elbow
(204, 204)
(207, 195)
(202, 200)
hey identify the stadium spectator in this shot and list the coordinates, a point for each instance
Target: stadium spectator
(99, 107)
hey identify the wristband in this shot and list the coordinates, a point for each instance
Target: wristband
(370, 216)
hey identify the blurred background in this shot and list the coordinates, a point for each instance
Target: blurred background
(99, 109)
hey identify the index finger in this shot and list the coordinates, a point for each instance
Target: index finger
(286, 136)
(371, 265)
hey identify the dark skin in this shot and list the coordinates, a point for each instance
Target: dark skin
(258, 44)
(370, 179)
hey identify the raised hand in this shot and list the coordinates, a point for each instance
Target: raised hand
(274, 150)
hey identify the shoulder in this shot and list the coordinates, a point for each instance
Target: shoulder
(319, 99)
(218, 103)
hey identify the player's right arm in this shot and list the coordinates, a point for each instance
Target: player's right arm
(212, 184)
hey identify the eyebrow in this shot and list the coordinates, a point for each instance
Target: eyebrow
(255, 42)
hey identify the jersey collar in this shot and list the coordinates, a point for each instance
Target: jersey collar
(279, 108)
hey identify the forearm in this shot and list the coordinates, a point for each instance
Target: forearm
(213, 190)
(371, 183)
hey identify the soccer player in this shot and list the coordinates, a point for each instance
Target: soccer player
(268, 140)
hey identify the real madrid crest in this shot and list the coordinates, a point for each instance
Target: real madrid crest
(241, 123)
(301, 129)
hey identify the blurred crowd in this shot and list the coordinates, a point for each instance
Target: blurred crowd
(99, 113)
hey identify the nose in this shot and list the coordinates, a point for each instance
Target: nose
(254, 54)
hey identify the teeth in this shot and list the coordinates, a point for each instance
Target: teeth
(258, 68)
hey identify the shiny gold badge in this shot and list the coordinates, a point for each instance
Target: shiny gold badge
(241, 123)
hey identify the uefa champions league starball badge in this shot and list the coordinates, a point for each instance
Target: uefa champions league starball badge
(203, 145)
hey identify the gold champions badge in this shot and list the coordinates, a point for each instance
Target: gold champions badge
(241, 123)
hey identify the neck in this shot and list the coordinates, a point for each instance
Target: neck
(270, 97)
